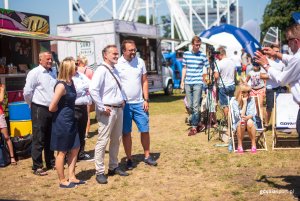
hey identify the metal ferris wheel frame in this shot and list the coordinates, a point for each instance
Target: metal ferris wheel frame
(130, 9)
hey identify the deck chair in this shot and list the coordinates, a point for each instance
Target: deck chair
(284, 120)
(261, 143)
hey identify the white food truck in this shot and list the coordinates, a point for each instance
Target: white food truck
(98, 34)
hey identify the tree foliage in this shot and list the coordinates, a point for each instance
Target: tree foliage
(166, 26)
(142, 19)
(278, 13)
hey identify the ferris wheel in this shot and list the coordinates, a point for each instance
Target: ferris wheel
(85, 16)
(127, 9)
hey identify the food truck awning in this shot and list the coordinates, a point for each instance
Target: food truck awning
(35, 35)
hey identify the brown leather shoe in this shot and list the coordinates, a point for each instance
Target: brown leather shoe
(193, 131)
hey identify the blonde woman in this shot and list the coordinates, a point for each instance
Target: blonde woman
(244, 112)
(64, 135)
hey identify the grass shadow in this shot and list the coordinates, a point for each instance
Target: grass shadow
(161, 98)
(137, 159)
(293, 183)
(92, 134)
(86, 174)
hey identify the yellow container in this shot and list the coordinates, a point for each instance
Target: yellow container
(20, 128)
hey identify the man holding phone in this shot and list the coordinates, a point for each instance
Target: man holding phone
(291, 73)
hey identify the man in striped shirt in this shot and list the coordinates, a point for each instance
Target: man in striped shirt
(193, 63)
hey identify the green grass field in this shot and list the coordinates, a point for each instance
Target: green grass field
(189, 168)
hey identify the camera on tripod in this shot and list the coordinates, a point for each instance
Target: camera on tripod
(212, 51)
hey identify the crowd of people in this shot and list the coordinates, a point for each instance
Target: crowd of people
(60, 104)
(241, 77)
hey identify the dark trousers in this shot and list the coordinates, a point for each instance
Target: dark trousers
(41, 136)
(81, 117)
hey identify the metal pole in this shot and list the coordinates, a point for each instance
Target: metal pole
(153, 12)
(206, 15)
(172, 31)
(191, 14)
(6, 4)
(218, 12)
(237, 14)
(114, 9)
(228, 12)
(147, 12)
(70, 11)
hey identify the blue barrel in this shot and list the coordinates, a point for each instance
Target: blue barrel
(19, 111)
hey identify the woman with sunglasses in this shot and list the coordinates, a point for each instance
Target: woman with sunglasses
(243, 116)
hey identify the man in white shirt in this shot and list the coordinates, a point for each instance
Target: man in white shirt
(238, 62)
(271, 85)
(109, 102)
(133, 75)
(291, 73)
(225, 75)
(38, 93)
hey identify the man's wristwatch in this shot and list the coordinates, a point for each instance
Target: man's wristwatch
(147, 100)
(266, 65)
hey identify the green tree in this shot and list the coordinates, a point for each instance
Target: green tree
(166, 26)
(278, 13)
(142, 19)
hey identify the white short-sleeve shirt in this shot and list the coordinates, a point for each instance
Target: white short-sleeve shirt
(227, 70)
(131, 78)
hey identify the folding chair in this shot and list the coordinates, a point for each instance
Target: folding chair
(284, 120)
(261, 143)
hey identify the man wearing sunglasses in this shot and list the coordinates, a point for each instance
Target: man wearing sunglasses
(291, 73)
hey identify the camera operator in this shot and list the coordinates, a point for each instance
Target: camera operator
(291, 73)
(225, 76)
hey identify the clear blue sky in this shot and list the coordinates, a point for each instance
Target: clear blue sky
(57, 10)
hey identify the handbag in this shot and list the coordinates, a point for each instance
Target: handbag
(4, 153)
(22, 145)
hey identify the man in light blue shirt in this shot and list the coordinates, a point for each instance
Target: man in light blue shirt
(193, 63)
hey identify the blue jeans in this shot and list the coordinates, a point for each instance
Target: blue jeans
(194, 98)
(223, 100)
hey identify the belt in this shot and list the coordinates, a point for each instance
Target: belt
(114, 106)
(40, 105)
(81, 106)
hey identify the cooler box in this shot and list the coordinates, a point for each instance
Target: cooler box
(20, 128)
(15, 96)
(19, 111)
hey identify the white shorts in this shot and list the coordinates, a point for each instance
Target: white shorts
(3, 123)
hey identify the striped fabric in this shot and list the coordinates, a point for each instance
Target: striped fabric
(194, 63)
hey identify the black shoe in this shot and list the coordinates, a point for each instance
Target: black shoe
(101, 179)
(129, 164)
(150, 161)
(85, 157)
(118, 171)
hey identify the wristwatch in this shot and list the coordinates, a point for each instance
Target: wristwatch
(147, 100)
(266, 65)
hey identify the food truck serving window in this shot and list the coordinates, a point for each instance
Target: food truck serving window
(146, 49)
